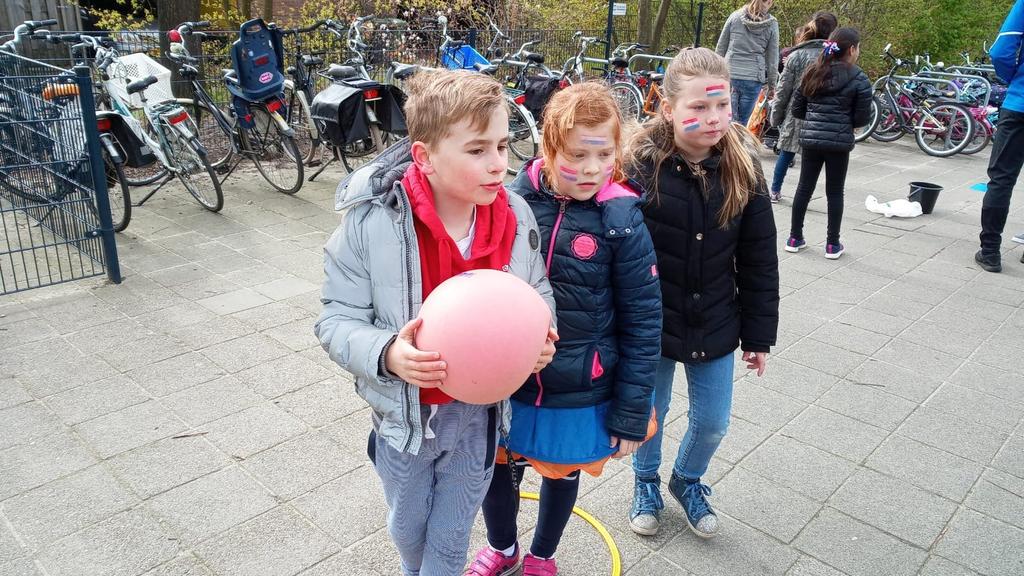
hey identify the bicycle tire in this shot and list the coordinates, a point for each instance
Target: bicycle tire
(864, 132)
(523, 139)
(190, 158)
(629, 100)
(118, 196)
(299, 120)
(980, 140)
(961, 126)
(277, 151)
(149, 174)
(215, 140)
(358, 153)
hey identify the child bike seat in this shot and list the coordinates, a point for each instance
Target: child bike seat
(257, 57)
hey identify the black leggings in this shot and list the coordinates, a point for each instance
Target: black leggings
(836, 164)
(501, 506)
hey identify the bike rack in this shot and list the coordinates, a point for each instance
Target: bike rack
(648, 57)
(881, 81)
(988, 84)
(983, 69)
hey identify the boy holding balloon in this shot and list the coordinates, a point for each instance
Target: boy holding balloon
(418, 215)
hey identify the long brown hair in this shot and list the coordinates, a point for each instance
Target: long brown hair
(818, 73)
(757, 9)
(655, 141)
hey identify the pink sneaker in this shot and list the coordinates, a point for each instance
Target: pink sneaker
(490, 562)
(533, 566)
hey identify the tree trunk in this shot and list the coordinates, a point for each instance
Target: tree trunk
(268, 11)
(226, 6)
(245, 9)
(659, 24)
(170, 14)
(643, 26)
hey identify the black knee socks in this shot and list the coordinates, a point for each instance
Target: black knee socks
(501, 505)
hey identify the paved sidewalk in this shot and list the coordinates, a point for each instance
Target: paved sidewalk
(186, 422)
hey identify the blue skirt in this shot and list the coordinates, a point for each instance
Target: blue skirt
(560, 435)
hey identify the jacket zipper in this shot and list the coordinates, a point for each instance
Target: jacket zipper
(406, 388)
(547, 268)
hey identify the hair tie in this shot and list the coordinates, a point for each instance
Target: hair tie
(830, 47)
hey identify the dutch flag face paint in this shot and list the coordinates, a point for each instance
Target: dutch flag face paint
(715, 90)
(594, 141)
(690, 124)
(569, 174)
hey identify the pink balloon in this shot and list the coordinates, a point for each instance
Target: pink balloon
(490, 327)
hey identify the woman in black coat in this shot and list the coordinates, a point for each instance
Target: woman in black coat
(833, 99)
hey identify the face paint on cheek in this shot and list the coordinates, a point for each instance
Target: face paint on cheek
(568, 173)
(715, 90)
(608, 171)
(690, 124)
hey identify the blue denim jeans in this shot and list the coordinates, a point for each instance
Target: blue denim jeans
(781, 168)
(744, 96)
(709, 387)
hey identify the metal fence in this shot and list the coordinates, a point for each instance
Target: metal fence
(54, 211)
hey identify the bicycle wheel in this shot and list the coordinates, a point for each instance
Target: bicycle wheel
(362, 151)
(274, 152)
(193, 169)
(300, 121)
(117, 193)
(861, 134)
(944, 130)
(523, 139)
(629, 100)
(215, 140)
(888, 128)
(980, 140)
(145, 175)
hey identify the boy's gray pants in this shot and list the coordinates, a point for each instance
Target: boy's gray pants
(433, 497)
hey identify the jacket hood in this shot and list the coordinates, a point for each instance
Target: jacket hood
(375, 178)
(756, 25)
(810, 44)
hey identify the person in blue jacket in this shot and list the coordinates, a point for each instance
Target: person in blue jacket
(1007, 144)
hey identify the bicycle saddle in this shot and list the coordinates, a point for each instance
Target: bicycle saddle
(654, 76)
(534, 57)
(620, 62)
(489, 69)
(311, 60)
(340, 72)
(140, 85)
(404, 71)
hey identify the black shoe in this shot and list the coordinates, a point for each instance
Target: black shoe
(988, 262)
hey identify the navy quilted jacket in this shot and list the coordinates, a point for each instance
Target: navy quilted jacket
(603, 270)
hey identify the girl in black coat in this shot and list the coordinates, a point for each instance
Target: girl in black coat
(833, 99)
(714, 234)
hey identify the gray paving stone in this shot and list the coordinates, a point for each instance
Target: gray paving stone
(340, 563)
(211, 504)
(211, 400)
(78, 314)
(611, 501)
(253, 430)
(923, 360)
(741, 438)
(800, 323)
(18, 567)
(245, 352)
(214, 286)
(953, 434)
(123, 545)
(977, 407)
(108, 336)
(768, 506)
(29, 465)
(823, 357)
(960, 344)
(983, 544)
(807, 566)
(801, 467)
(255, 275)
(61, 371)
(345, 519)
(25, 331)
(91, 400)
(857, 548)
(67, 505)
(896, 380)
(894, 506)
(184, 565)
(324, 402)
(12, 393)
(1000, 496)
(1003, 344)
(273, 314)
(736, 550)
(301, 464)
(278, 543)
(234, 301)
(351, 432)
(898, 306)
(1011, 456)
(929, 468)
(10, 548)
(179, 275)
(175, 317)
(762, 406)
(285, 374)
(213, 331)
(835, 433)
(164, 464)
(795, 380)
(939, 566)
(989, 380)
(286, 288)
(143, 351)
(178, 373)
(656, 565)
(26, 422)
(850, 337)
(297, 335)
(129, 428)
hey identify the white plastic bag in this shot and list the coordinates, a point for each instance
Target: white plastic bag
(901, 208)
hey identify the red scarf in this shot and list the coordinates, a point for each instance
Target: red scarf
(440, 258)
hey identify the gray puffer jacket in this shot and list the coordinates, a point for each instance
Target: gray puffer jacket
(751, 47)
(789, 82)
(373, 287)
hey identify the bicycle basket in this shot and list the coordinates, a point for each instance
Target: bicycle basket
(129, 68)
(463, 58)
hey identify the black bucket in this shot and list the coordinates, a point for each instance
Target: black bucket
(924, 193)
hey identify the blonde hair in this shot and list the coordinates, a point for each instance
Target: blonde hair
(439, 99)
(588, 104)
(758, 9)
(655, 142)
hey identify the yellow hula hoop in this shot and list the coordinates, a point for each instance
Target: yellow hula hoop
(612, 548)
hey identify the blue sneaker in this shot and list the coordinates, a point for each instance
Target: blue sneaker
(834, 251)
(692, 496)
(795, 244)
(645, 516)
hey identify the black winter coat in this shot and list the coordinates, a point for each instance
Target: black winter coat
(604, 277)
(830, 116)
(719, 286)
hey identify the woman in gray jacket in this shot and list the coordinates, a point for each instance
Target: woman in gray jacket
(750, 44)
(807, 50)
